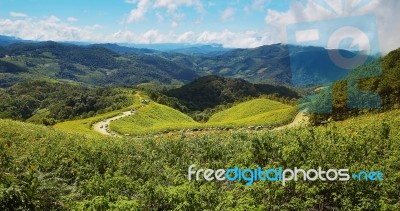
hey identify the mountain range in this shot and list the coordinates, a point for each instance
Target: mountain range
(119, 65)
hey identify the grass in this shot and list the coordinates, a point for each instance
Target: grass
(48, 169)
(156, 117)
(255, 112)
(84, 126)
(159, 86)
(153, 118)
(352, 125)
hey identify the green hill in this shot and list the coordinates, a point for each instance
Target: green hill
(47, 169)
(156, 117)
(255, 112)
(84, 126)
(93, 65)
(47, 103)
(211, 91)
(153, 118)
(271, 64)
(110, 64)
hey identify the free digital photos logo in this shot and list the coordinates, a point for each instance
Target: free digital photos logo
(343, 44)
(249, 176)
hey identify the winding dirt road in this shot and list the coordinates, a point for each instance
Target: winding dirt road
(299, 119)
(103, 126)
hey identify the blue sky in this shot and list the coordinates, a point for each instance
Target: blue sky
(234, 23)
(112, 14)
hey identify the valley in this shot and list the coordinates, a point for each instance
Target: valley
(51, 164)
(116, 65)
(189, 105)
(154, 118)
(109, 127)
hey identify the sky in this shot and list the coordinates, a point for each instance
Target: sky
(234, 23)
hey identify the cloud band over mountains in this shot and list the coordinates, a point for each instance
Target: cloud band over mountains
(210, 22)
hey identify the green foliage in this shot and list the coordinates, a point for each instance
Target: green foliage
(265, 64)
(168, 101)
(204, 116)
(153, 118)
(110, 64)
(95, 57)
(358, 86)
(93, 65)
(269, 64)
(46, 102)
(211, 91)
(84, 126)
(158, 87)
(208, 95)
(156, 118)
(256, 112)
(46, 169)
(7, 67)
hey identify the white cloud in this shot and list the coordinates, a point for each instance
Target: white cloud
(228, 14)
(186, 37)
(144, 6)
(53, 28)
(148, 37)
(247, 39)
(94, 27)
(172, 5)
(259, 4)
(72, 19)
(123, 36)
(160, 17)
(256, 5)
(384, 11)
(52, 19)
(17, 14)
(50, 28)
(140, 11)
(174, 24)
(226, 38)
(152, 36)
(176, 18)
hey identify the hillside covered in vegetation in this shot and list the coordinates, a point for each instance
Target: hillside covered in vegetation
(71, 167)
(94, 65)
(373, 87)
(259, 111)
(210, 91)
(49, 102)
(44, 168)
(112, 64)
(208, 95)
(155, 118)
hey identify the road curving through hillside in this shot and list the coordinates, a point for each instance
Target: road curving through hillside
(103, 126)
(300, 119)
